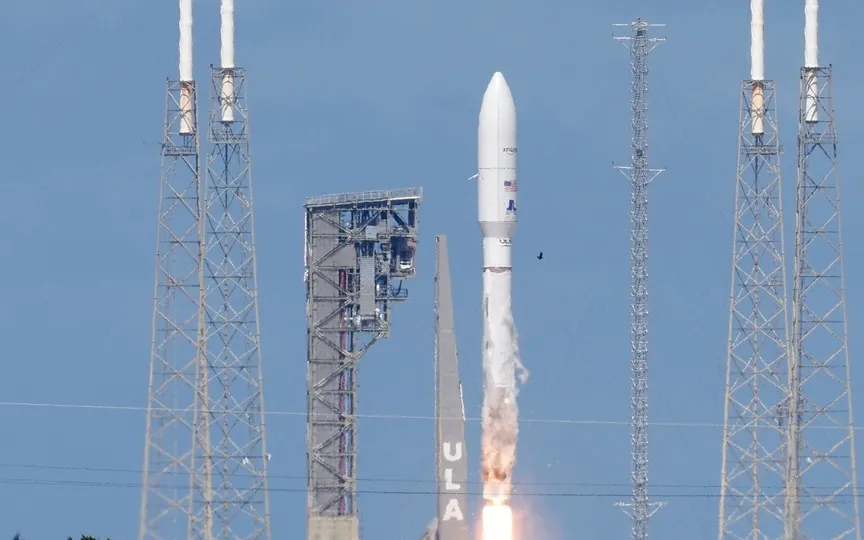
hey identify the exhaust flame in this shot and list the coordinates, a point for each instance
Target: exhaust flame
(497, 522)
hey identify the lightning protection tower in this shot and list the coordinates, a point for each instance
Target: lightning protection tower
(822, 475)
(640, 45)
(167, 507)
(231, 424)
(358, 249)
(756, 402)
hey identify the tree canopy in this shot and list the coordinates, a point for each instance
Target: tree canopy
(83, 537)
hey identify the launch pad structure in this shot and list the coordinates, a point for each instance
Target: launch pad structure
(822, 478)
(451, 450)
(176, 341)
(231, 427)
(359, 247)
(754, 441)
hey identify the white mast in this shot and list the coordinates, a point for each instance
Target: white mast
(757, 63)
(227, 58)
(187, 123)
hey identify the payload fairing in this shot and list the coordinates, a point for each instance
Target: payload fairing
(496, 180)
(497, 207)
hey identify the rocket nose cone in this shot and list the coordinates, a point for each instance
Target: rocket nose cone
(497, 123)
(497, 94)
(498, 86)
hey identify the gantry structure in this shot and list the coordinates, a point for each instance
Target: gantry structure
(205, 458)
(822, 500)
(233, 455)
(176, 341)
(359, 248)
(756, 401)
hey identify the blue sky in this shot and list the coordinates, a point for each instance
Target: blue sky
(351, 96)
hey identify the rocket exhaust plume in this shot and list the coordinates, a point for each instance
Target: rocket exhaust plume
(497, 522)
(227, 58)
(811, 59)
(187, 92)
(497, 208)
(757, 63)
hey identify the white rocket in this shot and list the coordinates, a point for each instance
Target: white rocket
(497, 208)
(496, 181)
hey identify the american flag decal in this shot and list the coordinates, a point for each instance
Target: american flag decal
(509, 185)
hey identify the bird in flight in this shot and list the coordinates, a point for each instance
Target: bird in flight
(540, 257)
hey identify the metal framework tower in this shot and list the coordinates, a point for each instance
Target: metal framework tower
(822, 475)
(233, 452)
(640, 45)
(359, 248)
(169, 453)
(756, 404)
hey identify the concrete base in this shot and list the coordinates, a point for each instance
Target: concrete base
(334, 528)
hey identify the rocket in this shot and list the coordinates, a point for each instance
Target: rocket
(496, 209)
(496, 179)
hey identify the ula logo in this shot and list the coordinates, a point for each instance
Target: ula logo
(509, 150)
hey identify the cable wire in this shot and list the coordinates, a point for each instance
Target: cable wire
(568, 421)
(569, 484)
(303, 490)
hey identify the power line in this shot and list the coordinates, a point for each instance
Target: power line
(116, 470)
(302, 490)
(565, 421)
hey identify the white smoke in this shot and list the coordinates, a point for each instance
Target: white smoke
(521, 371)
(501, 367)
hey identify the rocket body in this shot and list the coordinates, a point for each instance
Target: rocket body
(496, 208)
(496, 180)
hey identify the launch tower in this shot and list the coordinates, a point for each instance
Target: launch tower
(167, 508)
(822, 498)
(640, 45)
(359, 247)
(755, 411)
(232, 452)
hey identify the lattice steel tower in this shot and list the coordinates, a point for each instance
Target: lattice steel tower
(822, 475)
(640, 45)
(168, 499)
(359, 248)
(756, 404)
(231, 391)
